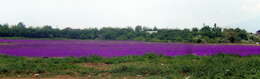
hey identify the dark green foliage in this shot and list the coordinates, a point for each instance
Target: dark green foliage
(205, 34)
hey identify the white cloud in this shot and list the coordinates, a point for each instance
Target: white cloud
(251, 6)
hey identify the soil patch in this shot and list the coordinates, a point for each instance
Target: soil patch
(99, 66)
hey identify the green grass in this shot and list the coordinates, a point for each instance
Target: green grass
(148, 66)
(3, 43)
(26, 38)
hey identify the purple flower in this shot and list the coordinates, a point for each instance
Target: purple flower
(78, 48)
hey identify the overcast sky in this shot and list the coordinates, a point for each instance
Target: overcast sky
(121, 13)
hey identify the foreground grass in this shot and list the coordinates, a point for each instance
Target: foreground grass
(148, 66)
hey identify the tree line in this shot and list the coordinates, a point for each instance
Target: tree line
(206, 34)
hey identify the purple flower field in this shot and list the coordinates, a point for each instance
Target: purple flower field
(78, 48)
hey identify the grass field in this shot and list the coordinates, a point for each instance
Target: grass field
(133, 67)
(24, 38)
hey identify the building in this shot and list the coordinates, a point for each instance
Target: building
(151, 32)
(258, 32)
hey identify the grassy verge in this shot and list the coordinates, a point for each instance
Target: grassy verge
(148, 66)
(25, 38)
(55, 38)
(4, 43)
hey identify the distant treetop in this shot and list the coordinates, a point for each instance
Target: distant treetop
(206, 34)
(21, 24)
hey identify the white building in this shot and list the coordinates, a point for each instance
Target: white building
(151, 32)
(258, 32)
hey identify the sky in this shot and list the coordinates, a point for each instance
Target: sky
(244, 14)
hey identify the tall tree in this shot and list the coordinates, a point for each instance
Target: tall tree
(21, 24)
